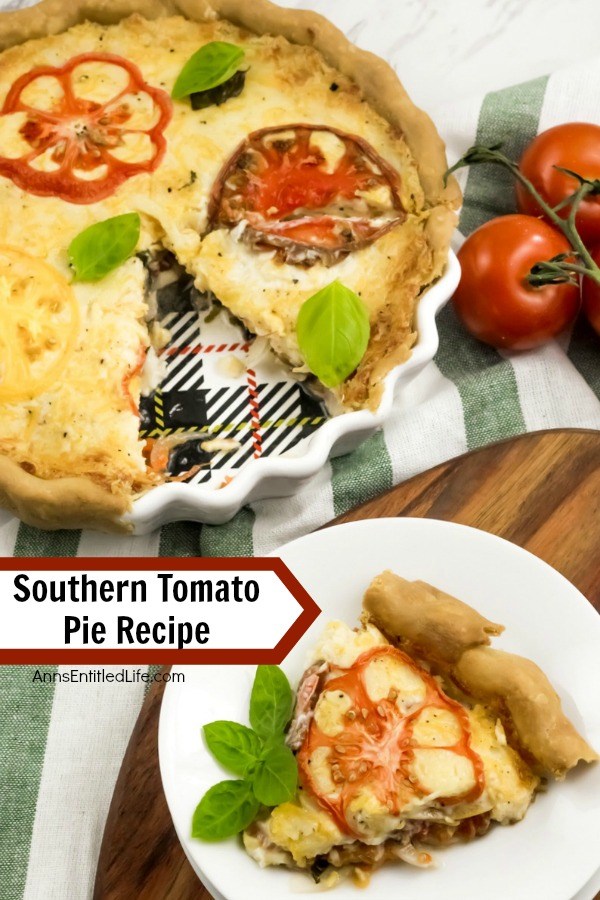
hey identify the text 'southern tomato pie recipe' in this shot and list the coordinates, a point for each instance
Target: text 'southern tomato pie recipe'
(411, 733)
(314, 167)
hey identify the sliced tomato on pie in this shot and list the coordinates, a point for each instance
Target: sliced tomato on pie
(40, 324)
(384, 729)
(312, 191)
(80, 130)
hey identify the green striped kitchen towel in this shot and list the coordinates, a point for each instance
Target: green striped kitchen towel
(60, 747)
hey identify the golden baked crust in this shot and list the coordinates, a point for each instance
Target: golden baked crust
(60, 503)
(518, 685)
(381, 89)
(433, 624)
(455, 638)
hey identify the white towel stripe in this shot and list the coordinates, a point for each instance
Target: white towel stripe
(88, 734)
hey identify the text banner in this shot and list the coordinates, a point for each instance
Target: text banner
(150, 610)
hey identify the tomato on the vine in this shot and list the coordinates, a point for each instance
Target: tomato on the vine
(494, 300)
(574, 146)
(591, 296)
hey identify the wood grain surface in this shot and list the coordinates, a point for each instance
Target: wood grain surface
(541, 491)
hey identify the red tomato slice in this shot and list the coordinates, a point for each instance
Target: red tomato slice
(78, 135)
(282, 186)
(376, 746)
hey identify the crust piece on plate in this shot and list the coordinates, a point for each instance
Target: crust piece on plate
(409, 135)
(404, 748)
(519, 686)
(456, 639)
(433, 624)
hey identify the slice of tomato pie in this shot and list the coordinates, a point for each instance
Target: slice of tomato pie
(407, 741)
(311, 166)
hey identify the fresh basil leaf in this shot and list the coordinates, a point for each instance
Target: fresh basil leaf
(234, 746)
(211, 65)
(270, 701)
(102, 247)
(333, 332)
(226, 809)
(276, 776)
(220, 94)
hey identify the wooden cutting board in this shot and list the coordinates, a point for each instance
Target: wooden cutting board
(541, 491)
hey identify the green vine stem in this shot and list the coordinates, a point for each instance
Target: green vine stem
(563, 268)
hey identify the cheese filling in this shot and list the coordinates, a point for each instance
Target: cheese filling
(442, 773)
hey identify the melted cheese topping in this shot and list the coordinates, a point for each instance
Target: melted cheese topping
(442, 772)
(83, 427)
(331, 147)
(330, 711)
(197, 142)
(509, 783)
(341, 645)
(82, 422)
(436, 727)
(385, 674)
(304, 830)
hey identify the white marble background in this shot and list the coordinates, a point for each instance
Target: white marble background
(447, 49)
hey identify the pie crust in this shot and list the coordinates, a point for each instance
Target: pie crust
(76, 502)
(456, 638)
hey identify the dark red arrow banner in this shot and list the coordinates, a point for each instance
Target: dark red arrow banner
(151, 610)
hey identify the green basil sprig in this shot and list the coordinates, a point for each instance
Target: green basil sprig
(333, 332)
(276, 775)
(104, 246)
(236, 747)
(267, 767)
(211, 65)
(225, 810)
(271, 701)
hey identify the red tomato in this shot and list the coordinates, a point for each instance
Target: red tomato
(494, 300)
(280, 183)
(591, 296)
(376, 747)
(575, 146)
(76, 136)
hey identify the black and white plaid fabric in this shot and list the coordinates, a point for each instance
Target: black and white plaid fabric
(264, 409)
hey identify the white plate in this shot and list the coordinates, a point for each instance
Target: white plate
(282, 474)
(554, 852)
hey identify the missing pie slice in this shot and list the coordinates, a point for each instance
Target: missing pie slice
(308, 165)
(411, 733)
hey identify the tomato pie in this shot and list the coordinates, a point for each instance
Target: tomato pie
(411, 733)
(264, 157)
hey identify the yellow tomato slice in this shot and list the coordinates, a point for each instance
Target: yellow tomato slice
(40, 324)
